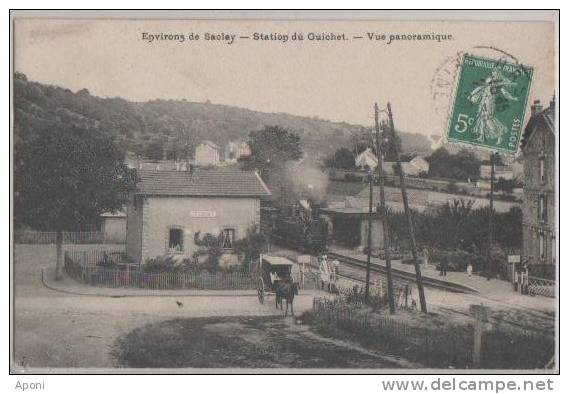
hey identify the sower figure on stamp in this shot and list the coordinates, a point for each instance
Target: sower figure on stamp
(487, 124)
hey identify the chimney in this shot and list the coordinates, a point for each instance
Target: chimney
(536, 107)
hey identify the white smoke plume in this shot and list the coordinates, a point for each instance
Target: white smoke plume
(306, 180)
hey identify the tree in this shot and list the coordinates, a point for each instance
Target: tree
(154, 150)
(462, 166)
(506, 185)
(467, 165)
(65, 175)
(271, 148)
(390, 144)
(343, 158)
(250, 247)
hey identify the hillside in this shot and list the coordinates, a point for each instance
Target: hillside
(171, 123)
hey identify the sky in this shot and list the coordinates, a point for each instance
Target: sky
(337, 80)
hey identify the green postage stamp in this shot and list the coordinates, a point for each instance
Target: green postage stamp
(490, 104)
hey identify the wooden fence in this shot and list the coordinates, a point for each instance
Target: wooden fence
(96, 257)
(502, 347)
(49, 237)
(104, 277)
(436, 349)
(353, 292)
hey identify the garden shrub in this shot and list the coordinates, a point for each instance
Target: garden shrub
(159, 264)
(351, 177)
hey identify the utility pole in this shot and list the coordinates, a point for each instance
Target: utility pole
(369, 224)
(490, 267)
(418, 276)
(386, 242)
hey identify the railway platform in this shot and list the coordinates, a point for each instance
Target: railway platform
(495, 289)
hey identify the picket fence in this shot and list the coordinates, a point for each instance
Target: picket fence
(353, 292)
(97, 257)
(133, 278)
(49, 237)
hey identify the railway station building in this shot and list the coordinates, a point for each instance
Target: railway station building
(168, 208)
(350, 224)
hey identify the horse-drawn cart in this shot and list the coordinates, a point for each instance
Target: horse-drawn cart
(272, 270)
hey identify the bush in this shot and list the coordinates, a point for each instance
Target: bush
(250, 247)
(211, 244)
(159, 264)
(351, 177)
(457, 260)
(452, 188)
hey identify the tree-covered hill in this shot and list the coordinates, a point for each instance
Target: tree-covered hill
(149, 128)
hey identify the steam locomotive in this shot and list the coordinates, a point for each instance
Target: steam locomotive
(297, 226)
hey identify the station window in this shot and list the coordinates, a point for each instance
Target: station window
(541, 246)
(542, 208)
(542, 173)
(227, 238)
(175, 240)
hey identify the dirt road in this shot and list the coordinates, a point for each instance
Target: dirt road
(59, 330)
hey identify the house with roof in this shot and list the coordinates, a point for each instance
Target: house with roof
(168, 208)
(366, 159)
(235, 150)
(414, 167)
(538, 209)
(206, 154)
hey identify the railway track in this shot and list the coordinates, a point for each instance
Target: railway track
(358, 267)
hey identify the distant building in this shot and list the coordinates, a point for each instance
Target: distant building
(236, 150)
(207, 154)
(538, 147)
(349, 225)
(168, 208)
(366, 159)
(411, 168)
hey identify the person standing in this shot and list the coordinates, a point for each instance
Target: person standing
(444, 266)
(469, 269)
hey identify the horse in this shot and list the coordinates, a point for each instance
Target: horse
(285, 290)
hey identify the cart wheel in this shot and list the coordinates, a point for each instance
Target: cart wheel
(261, 291)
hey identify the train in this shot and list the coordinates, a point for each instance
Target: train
(297, 226)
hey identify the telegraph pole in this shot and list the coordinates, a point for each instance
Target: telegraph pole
(386, 243)
(490, 267)
(418, 276)
(369, 224)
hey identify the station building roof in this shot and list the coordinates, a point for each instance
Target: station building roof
(202, 181)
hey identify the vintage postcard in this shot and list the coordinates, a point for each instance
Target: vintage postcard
(269, 192)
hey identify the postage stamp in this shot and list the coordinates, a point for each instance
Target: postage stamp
(490, 103)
